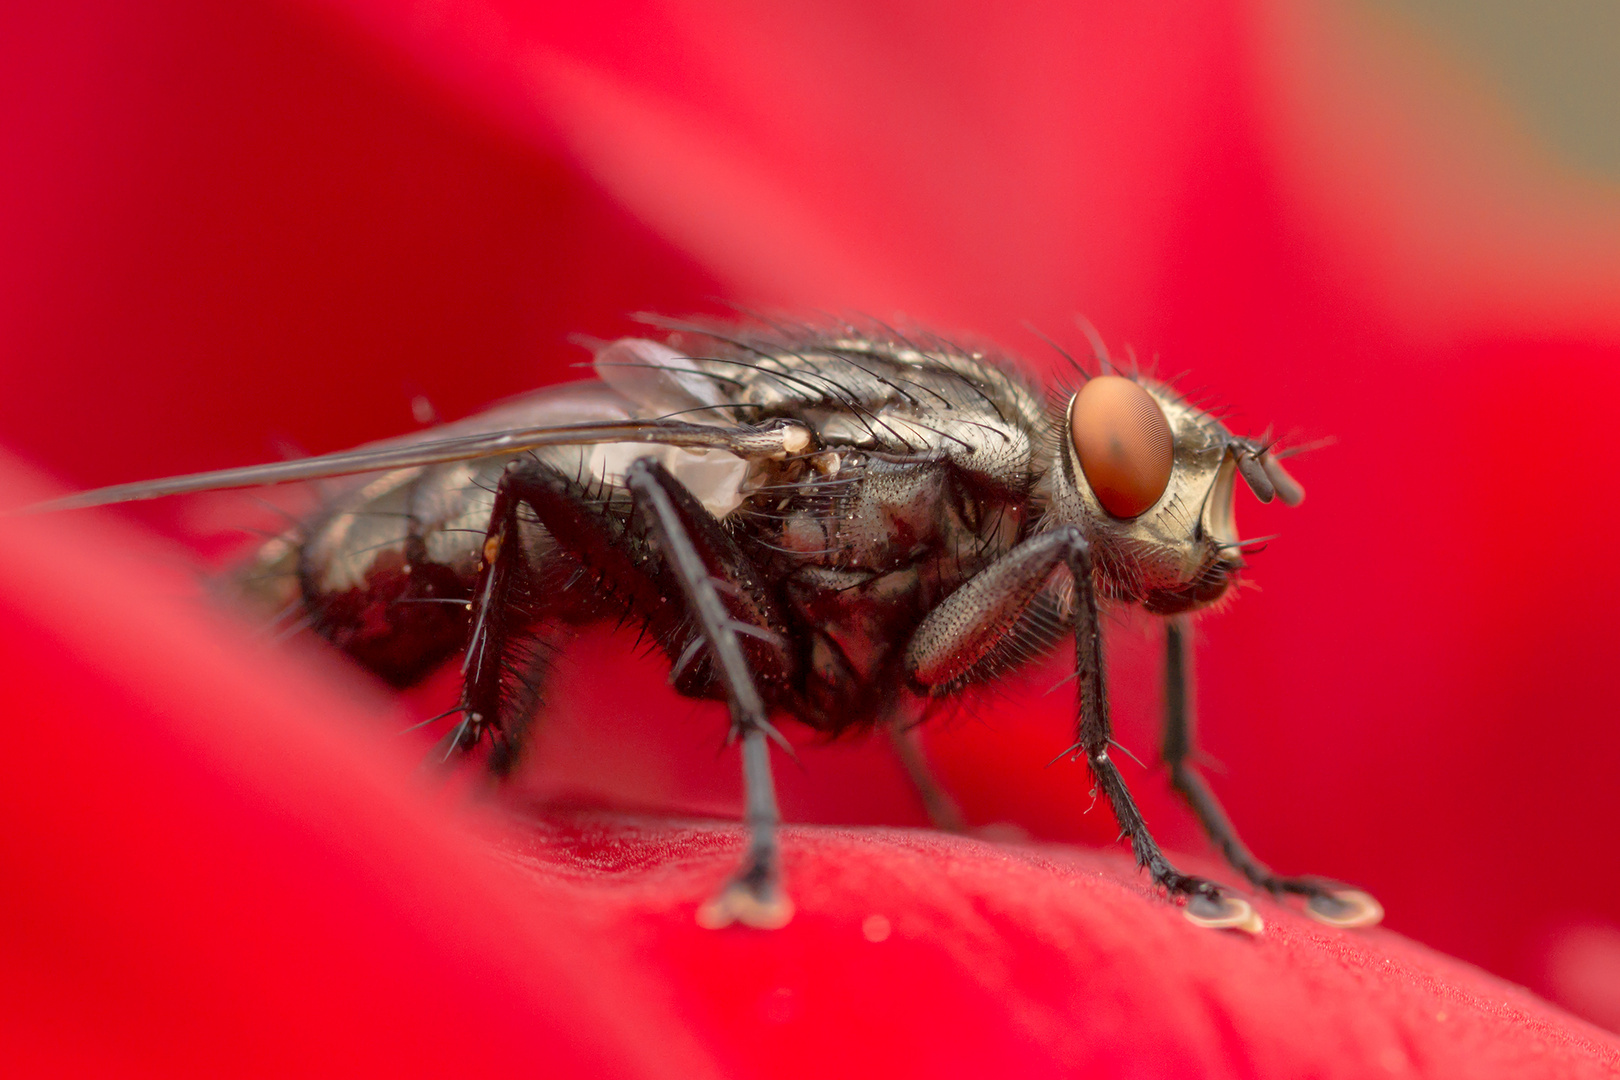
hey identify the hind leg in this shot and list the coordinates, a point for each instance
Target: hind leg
(514, 596)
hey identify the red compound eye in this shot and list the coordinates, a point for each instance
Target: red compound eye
(1123, 442)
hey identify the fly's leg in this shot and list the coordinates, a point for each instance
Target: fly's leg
(500, 689)
(1185, 779)
(679, 527)
(1207, 904)
(489, 637)
(942, 809)
(1326, 901)
(966, 627)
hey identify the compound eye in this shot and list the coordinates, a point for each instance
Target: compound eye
(1123, 442)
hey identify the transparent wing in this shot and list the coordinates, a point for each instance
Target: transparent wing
(743, 440)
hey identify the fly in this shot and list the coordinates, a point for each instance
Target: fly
(838, 524)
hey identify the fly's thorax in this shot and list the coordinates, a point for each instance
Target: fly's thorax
(868, 513)
(926, 399)
(920, 452)
(1149, 478)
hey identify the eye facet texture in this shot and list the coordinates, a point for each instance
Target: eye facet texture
(1123, 442)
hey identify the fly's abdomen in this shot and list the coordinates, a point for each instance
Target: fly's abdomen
(386, 576)
(401, 622)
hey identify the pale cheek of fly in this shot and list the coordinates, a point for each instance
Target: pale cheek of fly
(1123, 443)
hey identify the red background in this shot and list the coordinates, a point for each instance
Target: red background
(228, 226)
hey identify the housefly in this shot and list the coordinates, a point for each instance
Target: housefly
(835, 523)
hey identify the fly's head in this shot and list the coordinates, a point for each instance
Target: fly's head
(1150, 480)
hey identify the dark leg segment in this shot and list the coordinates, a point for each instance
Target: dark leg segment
(494, 617)
(1096, 730)
(942, 809)
(1185, 778)
(499, 688)
(1326, 900)
(754, 896)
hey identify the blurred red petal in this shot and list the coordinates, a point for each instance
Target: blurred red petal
(1428, 186)
(974, 165)
(229, 226)
(215, 866)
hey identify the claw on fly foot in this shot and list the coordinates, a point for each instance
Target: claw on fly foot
(764, 908)
(1223, 913)
(1347, 909)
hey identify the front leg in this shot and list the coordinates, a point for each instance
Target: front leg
(967, 626)
(1326, 901)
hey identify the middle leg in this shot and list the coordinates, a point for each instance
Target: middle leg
(679, 553)
(695, 550)
(906, 737)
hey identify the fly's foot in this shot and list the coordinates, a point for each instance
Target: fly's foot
(1210, 906)
(1348, 909)
(463, 739)
(1215, 910)
(1328, 902)
(754, 898)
